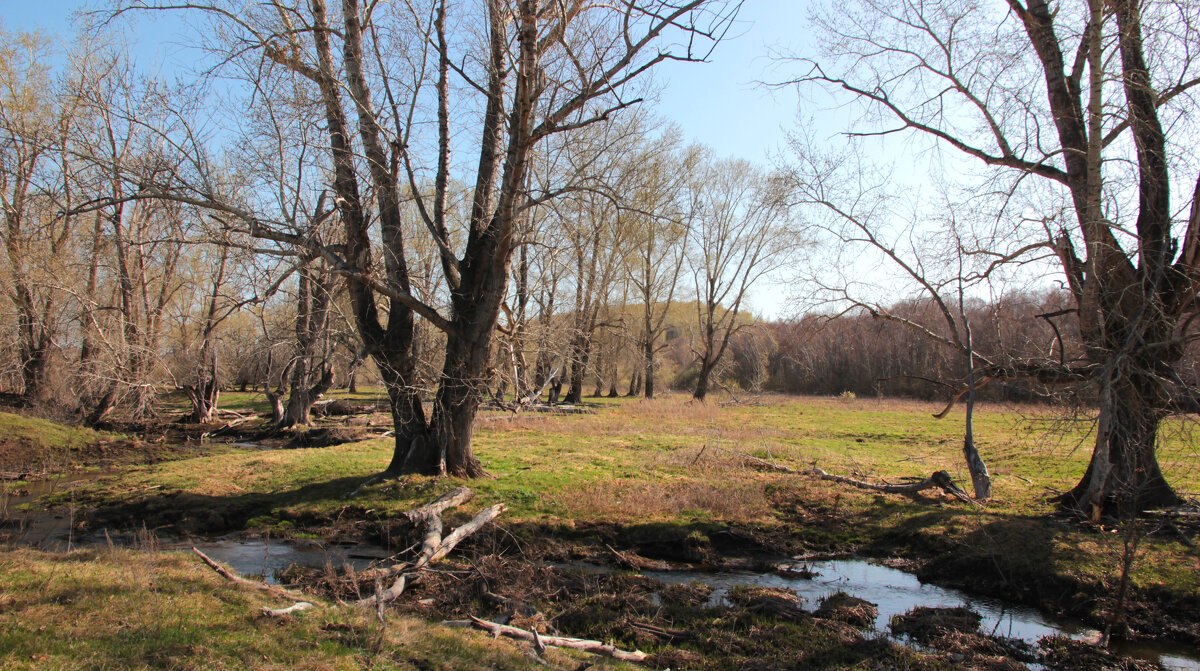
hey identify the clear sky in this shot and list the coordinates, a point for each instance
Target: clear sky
(719, 103)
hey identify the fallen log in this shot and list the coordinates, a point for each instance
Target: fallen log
(452, 498)
(457, 536)
(939, 479)
(433, 548)
(594, 647)
(298, 607)
(254, 584)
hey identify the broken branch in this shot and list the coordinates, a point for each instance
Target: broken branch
(594, 647)
(235, 578)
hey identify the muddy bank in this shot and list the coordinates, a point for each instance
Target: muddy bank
(1011, 559)
(674, 623)
(1009, 563)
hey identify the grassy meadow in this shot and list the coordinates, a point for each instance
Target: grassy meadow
(663, 478)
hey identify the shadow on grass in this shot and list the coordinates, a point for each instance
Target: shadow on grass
(1017, 558)
(187, 513)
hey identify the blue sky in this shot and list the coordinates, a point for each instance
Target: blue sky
(719, 103)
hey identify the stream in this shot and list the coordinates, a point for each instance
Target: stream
(894, 592)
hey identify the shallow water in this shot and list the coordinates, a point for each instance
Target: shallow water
(267, 559)
(37, 528)
(896, 592)
(893, 591)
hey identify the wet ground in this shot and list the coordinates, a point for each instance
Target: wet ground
(761, 618)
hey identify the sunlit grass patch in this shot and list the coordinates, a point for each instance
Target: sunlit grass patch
(129, 609)
(637, 462)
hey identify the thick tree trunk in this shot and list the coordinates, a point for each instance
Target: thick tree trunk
(414, 451)
(204, 394)
(103, 406)
(1124, 475)
(580, 353)
(302, 397)
(457, 403)
(702, 381)
(33, 372)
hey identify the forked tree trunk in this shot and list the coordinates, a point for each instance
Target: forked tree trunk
(302, 397)
(204, 394)
(635, 384)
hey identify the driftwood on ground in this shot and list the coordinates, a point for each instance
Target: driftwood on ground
(434, 547)
(543, 640)
(297, 607)
(938, 479)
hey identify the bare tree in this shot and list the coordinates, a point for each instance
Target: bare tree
(740, 234)
(536, 69)
(34, 118)
(1066, 100)
(661, 217)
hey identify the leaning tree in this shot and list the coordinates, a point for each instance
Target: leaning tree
(1088, 102)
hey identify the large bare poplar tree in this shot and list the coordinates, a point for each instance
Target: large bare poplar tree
(395, 81)
(1069, 100)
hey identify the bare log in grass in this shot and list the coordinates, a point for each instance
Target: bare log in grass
(542, 640)
(254, 584)
(298, 607)
(938, 479)
(452, 498)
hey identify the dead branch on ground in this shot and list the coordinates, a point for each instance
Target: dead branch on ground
(434, 547)
(541, 640)
(253, 584)
(938, 479)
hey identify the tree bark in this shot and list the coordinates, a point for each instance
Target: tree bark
(1123, 475)
(635, 384)
(648, 353)
(702, 381)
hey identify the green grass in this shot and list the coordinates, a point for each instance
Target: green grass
(128, 609)
(46, 435)
(668, 468)
(35, 444)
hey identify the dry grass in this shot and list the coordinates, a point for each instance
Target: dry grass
(623, 501)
